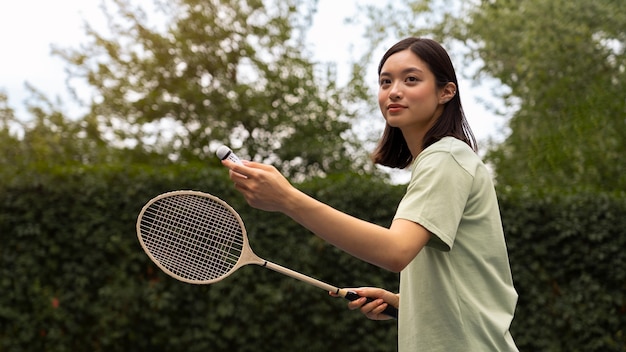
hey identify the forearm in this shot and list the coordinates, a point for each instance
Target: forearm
(369, 242)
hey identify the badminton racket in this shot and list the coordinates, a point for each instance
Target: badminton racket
(198, 238)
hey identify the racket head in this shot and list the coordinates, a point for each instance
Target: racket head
(192, 236)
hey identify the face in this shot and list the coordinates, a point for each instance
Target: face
(408, 96)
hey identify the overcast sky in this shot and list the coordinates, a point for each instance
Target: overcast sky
(28, 28)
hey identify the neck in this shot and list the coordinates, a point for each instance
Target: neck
(414, 135)
(414, 140)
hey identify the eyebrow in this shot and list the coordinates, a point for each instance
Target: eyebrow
(403, 72)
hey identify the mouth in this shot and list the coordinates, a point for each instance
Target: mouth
(392, 108)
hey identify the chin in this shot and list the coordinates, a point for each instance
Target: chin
(393, 122)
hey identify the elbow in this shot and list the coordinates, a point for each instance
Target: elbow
(396, 261)
(395, 268)
(396, 264)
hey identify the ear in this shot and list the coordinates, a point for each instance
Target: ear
(447, 93)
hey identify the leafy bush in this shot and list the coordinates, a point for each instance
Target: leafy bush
(74, 278)
(569, 266)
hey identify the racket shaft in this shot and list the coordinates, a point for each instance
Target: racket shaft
(349, 295)
(301, 277)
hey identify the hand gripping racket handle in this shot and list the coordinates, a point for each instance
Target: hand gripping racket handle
(349, 295)
(225, 153)
(390, 310)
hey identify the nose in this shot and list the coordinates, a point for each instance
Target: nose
(395, 92)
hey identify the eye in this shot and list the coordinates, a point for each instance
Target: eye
(384, 82)
(411, 79)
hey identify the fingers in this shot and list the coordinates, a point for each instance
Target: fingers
(247, 168)
(246, 176)
(373, 309)
(238, 171)
(249, 171)
(366, 305)
(363, 304)
(373, 302)
(263, 186)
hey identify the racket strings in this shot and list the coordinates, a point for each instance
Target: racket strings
(194, 237)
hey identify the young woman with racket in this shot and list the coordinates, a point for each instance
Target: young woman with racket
(446, 239)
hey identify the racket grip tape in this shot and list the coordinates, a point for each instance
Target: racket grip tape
(390, 310)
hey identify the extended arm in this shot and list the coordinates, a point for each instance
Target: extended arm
(390, 248)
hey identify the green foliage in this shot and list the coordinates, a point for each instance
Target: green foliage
(74, 277)
(569, 266)
(50, 140)
(8, 140)
(233, 72)
(564, 63)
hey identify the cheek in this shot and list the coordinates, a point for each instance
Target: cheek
(424, 96)
(382, 101)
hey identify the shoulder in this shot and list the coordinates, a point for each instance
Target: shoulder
(452, 150)
(446, 163)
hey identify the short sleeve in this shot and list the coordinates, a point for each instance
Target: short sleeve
(436, 196)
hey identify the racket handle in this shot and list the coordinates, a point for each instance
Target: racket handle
(390, 310)
(224, 153)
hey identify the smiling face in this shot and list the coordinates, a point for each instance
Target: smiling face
(408, 95)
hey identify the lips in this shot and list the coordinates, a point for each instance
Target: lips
(395, 108)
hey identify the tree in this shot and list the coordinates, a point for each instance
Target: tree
(47, 140)
(565, 65)
(8, 139)
(219, 71)
(562, 67)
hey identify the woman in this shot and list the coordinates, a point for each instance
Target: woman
(446, 239)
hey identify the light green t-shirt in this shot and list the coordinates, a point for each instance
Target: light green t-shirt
(457, 294)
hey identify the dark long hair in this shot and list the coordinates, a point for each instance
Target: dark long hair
(392, 149)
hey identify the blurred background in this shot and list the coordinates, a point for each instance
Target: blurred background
(104, 105)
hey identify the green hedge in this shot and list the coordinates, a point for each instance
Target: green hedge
(74, 278)
(568, 256)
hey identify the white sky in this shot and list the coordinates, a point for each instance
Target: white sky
(28, 28)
